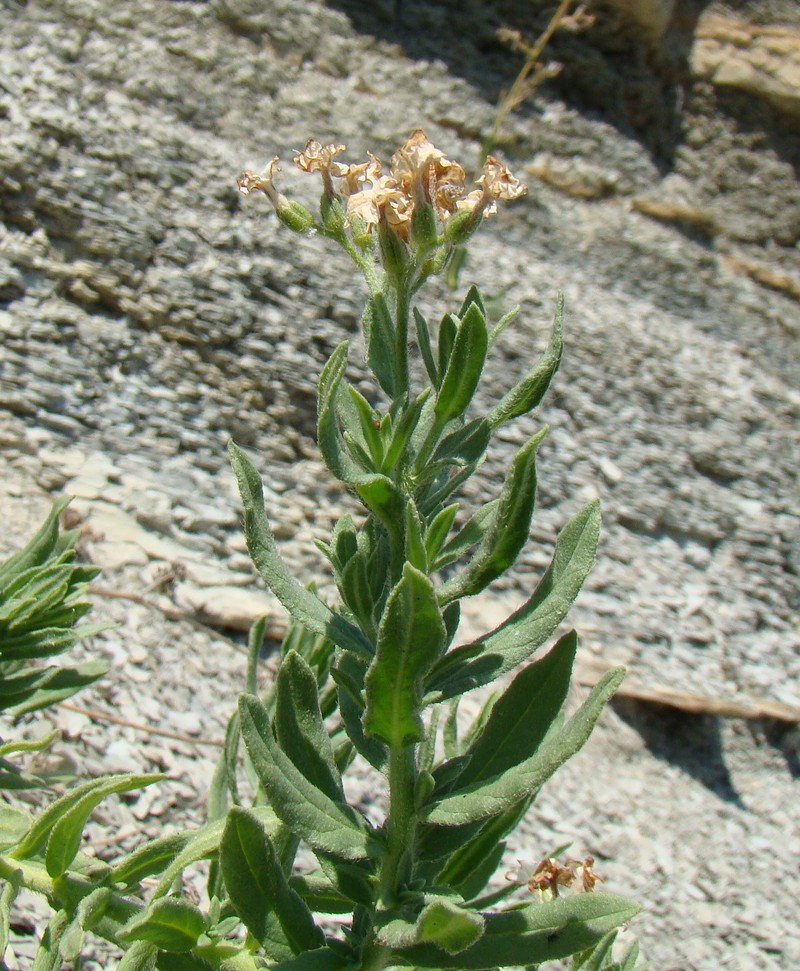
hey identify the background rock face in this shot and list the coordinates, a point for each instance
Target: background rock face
(149, 313)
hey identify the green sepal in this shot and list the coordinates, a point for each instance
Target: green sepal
(464, 366)
(301, 603)
(530, 935)
(528, 392)
(500, 793)
(171, 923)
(258, 888)
(513, 642)
(325, 824)
(299, 728)
(410, 638)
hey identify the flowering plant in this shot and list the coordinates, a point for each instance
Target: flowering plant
(374, 681)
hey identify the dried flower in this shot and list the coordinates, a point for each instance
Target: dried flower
(316, 157)
(498, 181)
(248, 181)
(587, 879)
(550, 875)
(426, 175)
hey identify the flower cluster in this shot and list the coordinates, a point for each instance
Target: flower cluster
(549, 875)
(421, 178)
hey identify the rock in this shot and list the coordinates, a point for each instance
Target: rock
(762, 61)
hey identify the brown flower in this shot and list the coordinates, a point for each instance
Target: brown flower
(587, 878)
(426, 175)
(550, 875)
(498, 182)
(249, 181)
(316, 157)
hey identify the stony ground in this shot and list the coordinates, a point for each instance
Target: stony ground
(148, 313)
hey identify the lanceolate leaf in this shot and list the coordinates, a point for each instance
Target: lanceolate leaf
(299, 727)
(171, 923)
(379, 332)
(508, 530)
(513, 642)
(464, 367)
(410, 638)
(33, 690)
(88, 794)
(531, 935)
(325, 824)
(527, 394)
(65, 836)
(485, 799)
(37, 550)
(321, 959)
(521, 718)
(148, 860)
(302, 604)
(258, 888)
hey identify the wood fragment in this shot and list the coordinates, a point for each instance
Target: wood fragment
(99, 716)
(588, 671)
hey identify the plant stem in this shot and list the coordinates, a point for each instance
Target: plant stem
(401, 824)
(401, 331)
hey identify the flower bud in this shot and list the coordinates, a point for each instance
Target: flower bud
(424, 228)
(394, 252)
(460, 226)
(332, 212)
(294, 216)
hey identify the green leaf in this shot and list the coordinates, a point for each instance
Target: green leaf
(29, 744)
(36, 551)
(258, 888)
(46, 642)
(473, 297)
(8, 895)
(355, 588)
(320, 894)
(171, 923)
(449, 926)
(325, 824)
(140, 956)
(508, 529)
(48, 686)
(508, 645)
(47, 956)
(403, 434)
(464, 445)
(148, 860)
(448, 329)
(379, 333)
(65, 836)
(527, 394)
(91, 909)
(321, 959)
(367, 417)
(14, 824)
(438, 531)
(531, 935)
(70, 807)
(424, 341)
(299, 728)
(349, 674)
(410, 638)
(522, 717)
(464, 366)
(500, 793)
(303, 605)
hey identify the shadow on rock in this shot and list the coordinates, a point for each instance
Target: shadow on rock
(615, 70)
(690, 742)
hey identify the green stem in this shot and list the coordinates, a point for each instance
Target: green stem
(401, 331)
(402, 821)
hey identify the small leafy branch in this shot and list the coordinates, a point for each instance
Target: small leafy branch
(374, 680)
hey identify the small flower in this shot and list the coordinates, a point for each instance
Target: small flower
(587, 878)
(550, 875)
(498, 181)
(248, 181)
(316, 157)
(383, 200)
(426, 175)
